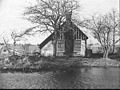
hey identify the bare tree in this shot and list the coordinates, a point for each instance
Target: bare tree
(17, 37)
(114, 17)
(6, 45)
(103, 29)
(50, 15)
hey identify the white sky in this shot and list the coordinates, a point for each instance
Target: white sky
(11, 15)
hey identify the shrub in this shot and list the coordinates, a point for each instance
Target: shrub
(14, 58)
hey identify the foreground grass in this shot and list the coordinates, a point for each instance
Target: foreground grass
(23, 81)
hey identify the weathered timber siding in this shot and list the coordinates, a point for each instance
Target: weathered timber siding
(47, 50)
(60, 47)
(79, 48)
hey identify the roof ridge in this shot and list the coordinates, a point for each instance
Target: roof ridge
(50, 37)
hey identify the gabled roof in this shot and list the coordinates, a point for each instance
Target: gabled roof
(49, 38)
(46, 41)
(73, 25)
(78, 27)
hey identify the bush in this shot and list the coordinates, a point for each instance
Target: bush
(88, 53)
(33, 58)
(28, 62)
(14, 58)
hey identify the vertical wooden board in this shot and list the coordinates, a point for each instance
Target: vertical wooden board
(82, 52)
(77, 47)
(60, 46)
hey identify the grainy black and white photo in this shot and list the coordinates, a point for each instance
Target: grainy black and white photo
(59, 44)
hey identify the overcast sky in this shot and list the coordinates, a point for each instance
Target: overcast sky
(11, 15)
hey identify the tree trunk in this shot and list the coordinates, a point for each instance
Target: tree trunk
(55, 44)
(114, 30)
(113, 49)
(14, 44)
(106, 53)
(54, 48)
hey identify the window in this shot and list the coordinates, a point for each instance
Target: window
(83, 37)
(77, 35)
(61, 36)
(60, 45)
(77, 45)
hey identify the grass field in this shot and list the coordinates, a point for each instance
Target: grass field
(22, 80)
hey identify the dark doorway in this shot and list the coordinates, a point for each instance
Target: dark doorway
(69, 43)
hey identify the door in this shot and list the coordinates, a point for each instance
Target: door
(69, 43)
